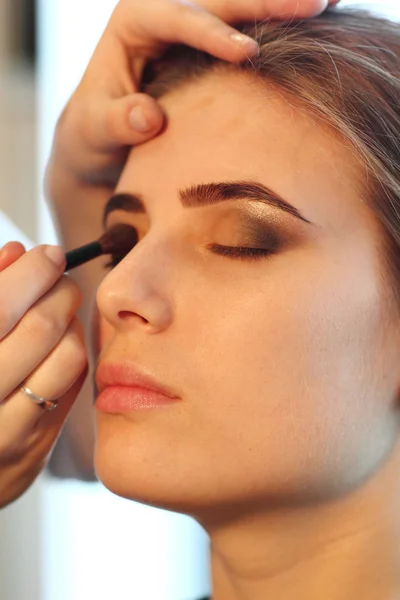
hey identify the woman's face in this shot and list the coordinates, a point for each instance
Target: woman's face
(284, 358)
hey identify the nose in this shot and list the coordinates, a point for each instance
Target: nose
(137, 292)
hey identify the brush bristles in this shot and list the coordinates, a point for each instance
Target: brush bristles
(119, 240)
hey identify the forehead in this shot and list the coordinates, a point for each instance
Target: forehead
(228, 126)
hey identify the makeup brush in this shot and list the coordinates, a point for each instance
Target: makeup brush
(118, 240)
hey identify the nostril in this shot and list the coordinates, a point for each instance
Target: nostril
(127, 314)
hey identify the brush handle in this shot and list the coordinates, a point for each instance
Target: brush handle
(81, 255)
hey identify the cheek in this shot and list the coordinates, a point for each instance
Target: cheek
(311, 325)
(288, 372)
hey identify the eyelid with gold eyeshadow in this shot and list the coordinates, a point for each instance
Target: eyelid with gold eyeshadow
(234, 252)
(262, 240)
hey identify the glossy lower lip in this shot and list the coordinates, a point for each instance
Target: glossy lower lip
(123, 399)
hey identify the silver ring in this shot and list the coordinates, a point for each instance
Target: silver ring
(41, 402)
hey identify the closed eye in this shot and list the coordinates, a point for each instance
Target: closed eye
(240, 252)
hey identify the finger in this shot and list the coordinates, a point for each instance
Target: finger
(204, 27)
(19, 473)
(37, 333)
(51, 380)
(9, 254)
(259, 10)
(49, 425)
(133, 120)
(25, 281)
(178, 21)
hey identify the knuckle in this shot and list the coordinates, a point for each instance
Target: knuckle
(42, 323)
(72, 291)
(188, 8)
(189, 14)
(112, 124)
(11, 450)
(40, 266)
(70, 119)
(66, 297)
(80, 359)
(50, 316)
(75, 355)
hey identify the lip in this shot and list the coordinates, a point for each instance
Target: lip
(129, 375)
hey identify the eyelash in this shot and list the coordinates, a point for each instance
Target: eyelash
(236, 252)
(239, 252)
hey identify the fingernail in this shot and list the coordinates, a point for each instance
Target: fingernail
(55, 254)
(244, 41)
(138, 119)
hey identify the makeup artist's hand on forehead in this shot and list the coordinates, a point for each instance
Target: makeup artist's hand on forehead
(137, 31)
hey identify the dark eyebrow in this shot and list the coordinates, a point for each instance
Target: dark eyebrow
(209, 193)
(127, 202)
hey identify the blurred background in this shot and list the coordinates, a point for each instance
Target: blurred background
(68, 540)
(18, 131)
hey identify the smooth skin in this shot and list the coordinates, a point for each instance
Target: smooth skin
(285, 444)
(88, 154)
(44, 323)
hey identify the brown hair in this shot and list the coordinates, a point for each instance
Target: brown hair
(342, 67)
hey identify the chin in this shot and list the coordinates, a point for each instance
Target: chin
(133, 468)
(130, 483)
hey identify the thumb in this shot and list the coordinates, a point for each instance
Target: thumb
(132, 120)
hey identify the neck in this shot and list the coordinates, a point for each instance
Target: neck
(342, 549)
